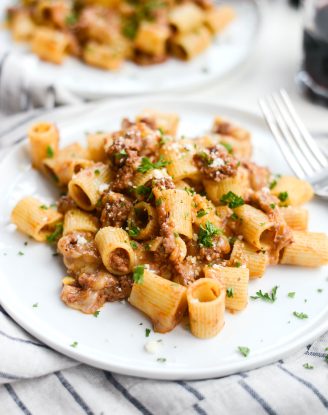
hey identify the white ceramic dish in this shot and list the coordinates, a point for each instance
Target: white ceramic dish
(115, 340)
(227, 52)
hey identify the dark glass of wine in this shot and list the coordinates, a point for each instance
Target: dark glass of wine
(314, 74)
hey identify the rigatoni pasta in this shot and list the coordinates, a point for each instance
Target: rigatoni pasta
(176, 226)
(107, 33)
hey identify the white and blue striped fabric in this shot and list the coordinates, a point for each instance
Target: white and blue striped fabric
(37, 380)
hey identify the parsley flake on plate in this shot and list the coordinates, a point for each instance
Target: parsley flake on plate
(244, 350)
(301, 316)
(147, 332)
(161, 359)
(307, 366)
(291, 294)
(133, 230)
(74, 344)
(138, 274)
(96, 313)
(35, 305)
(268, 297)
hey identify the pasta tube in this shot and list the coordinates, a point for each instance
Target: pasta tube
(237, 184)
(206, 307)
(115, 250)
(166, 122)
(103, 56)
(186, 46)
(151, 38)
(143, 220)
(177, 204)
(309, 249)
(85, 186)
(255, 226)
(235, 281)
(77, 220)
(180, 155)
(49, 44)
(44, 141)
(35, 219)
(218, 18)
(96, 146)
(296, 217)
(292, 191)
(69, 161)
(186, 17)
(256, 261)
(163, 301)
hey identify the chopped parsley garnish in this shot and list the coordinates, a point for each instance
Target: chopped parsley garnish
(71, 19)
(232, 200)
(144, 191)
(147, 165)
(227, 146)
(44, 207)
(206, 233)
(97, 172)
(74, 344)
(229, 292)
(307, 366)
(301, 316)
(134, 245)
(319, 290)
(99, 203)
(50, 152)
(35, 305)
(201, 213)
(25, 243)
(234, 216)
(190, 191)
(244, 350)
(270, 298)
(237, 264)
(138, 274)
(96, 313)
(134, 230)
(205, 157)
(20, 253)
(147, 246)
(147, 332)
(273, 184)
(159, 202)
(161, 359)
(283, 196)
(56, 234)
(272, 205)
(291, 294)
(121, 154)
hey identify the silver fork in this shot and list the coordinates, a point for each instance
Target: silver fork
(296, 143)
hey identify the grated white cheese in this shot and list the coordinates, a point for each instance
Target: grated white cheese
(158, 174)
(103, 187)
(195, 237)
(81, 240)
(152, 346)
(194, 300)
(217, 162)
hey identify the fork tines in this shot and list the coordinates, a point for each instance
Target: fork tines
(297, 145)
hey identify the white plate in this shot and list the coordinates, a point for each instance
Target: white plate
(227, 52)
(115, 340)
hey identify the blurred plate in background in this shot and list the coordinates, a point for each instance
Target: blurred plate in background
(228, 51)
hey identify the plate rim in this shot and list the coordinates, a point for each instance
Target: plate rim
(252, 362)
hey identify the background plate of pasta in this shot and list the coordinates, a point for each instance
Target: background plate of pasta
(97, 48)
(161, 238)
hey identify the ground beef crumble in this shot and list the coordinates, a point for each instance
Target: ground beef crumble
(216, 163)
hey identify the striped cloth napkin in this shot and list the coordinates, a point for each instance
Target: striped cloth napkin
(36, 380)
